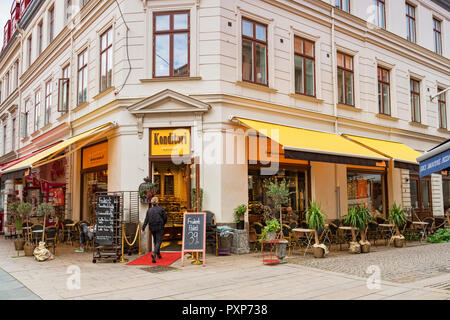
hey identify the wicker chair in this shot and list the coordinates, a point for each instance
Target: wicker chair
(440, 222)
(431, 225)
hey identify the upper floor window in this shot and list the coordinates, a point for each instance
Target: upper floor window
(51, 24)
(106, 52)
(37, 110)
(39, 38)
(82, 76)
(345, 79)
(4, 139)
(437, 36)
(68, 8)
(343, 5)
(13, 137)
(171, 44)
(304, 66)
(1, 96)
(48, 102)
(24, 120)
(254, 52)
(380, 15)
(410, 22)
(7, 85)
(442, 110)
(415, 100)
(16, 74)
(384, 103)
(63, 90)
(29, 47)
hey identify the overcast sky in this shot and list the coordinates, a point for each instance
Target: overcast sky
(5, 15)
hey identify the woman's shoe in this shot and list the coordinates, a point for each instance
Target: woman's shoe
(159, 256)
(153, 258)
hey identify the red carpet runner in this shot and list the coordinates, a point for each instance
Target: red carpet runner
(167, 259)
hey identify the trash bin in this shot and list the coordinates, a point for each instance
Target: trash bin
(225, 243)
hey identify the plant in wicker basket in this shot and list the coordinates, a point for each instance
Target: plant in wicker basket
(315, 219)
(397, 217)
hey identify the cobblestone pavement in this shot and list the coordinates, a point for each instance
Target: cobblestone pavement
(226, 277)
(408, 264)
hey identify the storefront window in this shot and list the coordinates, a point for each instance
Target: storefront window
(446, 192)
(93, 182)
(366, 188)
(297, 183)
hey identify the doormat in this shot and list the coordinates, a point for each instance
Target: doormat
(167, 259)
(158, 269)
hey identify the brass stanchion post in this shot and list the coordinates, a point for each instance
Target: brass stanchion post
(197, 259)
(139, 231)
(122, 260)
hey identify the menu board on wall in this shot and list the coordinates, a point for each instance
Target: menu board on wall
(105, 220)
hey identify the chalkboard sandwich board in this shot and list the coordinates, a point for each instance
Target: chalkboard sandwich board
(105, 220)
(194, 234)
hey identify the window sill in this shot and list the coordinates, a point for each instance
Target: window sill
(25, 139)
(387, 117)
(418, 124)
(443, 130)
(348, 107)
(63, 117)
(81, 106)
(44, 128)
(306, 98)
(259, 87)
(171, 79)
(36, 133)
(104, 93)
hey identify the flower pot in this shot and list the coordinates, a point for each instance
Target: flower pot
(240, 225)
(365, 248)
(271, 236)
(28, 248)
(355, 247)
(399, 243)
(318, 252)
(18, 244)
(281, 250)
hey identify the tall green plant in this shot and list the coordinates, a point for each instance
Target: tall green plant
(23, 210)
(354, 220)
(315, 218)
(279, 193)
(365, 218)
(397, 217)
(44, 209)
(239, 212)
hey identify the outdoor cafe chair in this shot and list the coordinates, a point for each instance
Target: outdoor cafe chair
(440, 222)
(372, 232)
(334, 233)
(51, 237)
(36, 233)
(431, 226)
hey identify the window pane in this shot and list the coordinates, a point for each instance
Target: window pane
(162, 55)
(299, 85)
(109, 71)
(162, 22)
(341, 87)
(247, 28)
(380, 98)
(309, 77)
(180, 21)
(414, 191)
(349, 87)
(425, 194)
(386, 97)
(261, 71)
(180, 54)
(261, 32)
(104, 43)
(348, 62)
(247, 60)
(416, 86)
(381, 15)
(346, 5)
(340, 60)
(298, 45)
(103, 85)
(413, 31)
(309, 48)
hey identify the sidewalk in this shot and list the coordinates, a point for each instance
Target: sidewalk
(11, 289)
(227, 277)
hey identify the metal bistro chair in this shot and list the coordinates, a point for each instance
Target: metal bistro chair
(440, 222)
(288, 236)
(258, 230)
(36, 233)
(333, 235)
(372, 232)
(66, 230)
(51, 237)
(431, 226)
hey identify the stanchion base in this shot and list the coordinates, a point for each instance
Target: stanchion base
(197, 262)
(123, 260)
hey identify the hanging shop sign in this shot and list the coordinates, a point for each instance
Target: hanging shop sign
(57, 197)
(95, 156)
(170, 142)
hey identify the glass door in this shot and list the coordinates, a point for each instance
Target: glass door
(421, 197)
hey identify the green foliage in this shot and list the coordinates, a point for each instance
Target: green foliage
(358, 217)
(442, 235)
(271, 226)
(44, 208)
(397, 216)
(278, 192)
(24, 208)
(315, 218)
(194, 199)
(147, 190)
(18, 223)
(13, 207)
(239, 212)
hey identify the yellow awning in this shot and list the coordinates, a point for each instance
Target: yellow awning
(394, 150)
(309, 141)
(50, 153)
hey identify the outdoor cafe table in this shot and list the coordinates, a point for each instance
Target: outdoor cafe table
(309, 234)
(423, 225)
(391, 229)
(341, 231)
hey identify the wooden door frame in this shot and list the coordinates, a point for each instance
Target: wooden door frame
(421, 211)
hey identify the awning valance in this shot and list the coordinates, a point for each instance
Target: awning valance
(435, 160)
(304, 144)
(403, 156)
(49, 154)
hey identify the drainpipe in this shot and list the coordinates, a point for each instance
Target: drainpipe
(19, 84)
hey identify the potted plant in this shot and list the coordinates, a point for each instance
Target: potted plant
(316, 221)
(239, 213)
(24, 209)
(18, 221)
(269, 232)
(279, 193)
(147, 190)
(397, 217)
(44, 209)
(365, 217)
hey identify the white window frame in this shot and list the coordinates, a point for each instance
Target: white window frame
(356, 75)
(110, 24)
(393, 71)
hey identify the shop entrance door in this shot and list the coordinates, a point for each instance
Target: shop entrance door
(420, 197)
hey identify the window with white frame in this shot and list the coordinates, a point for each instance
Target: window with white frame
(39, 38)
(82, 76)
(51, 24)
(24, 120)
(415, 100)
(304, 60)
(410, 22)
(4, 138)
(345, 74)
(254, 52)
(343, 5)
(63, 90)
(7, 85)
(442, 105)
(13, 136)
(106, 56)
(48, 102)
(384, 91)
(437, 36)
(37, 109)
(68, 9)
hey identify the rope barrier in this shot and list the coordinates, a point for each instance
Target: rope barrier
(135, 237)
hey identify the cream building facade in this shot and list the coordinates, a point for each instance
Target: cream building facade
(64, 40)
